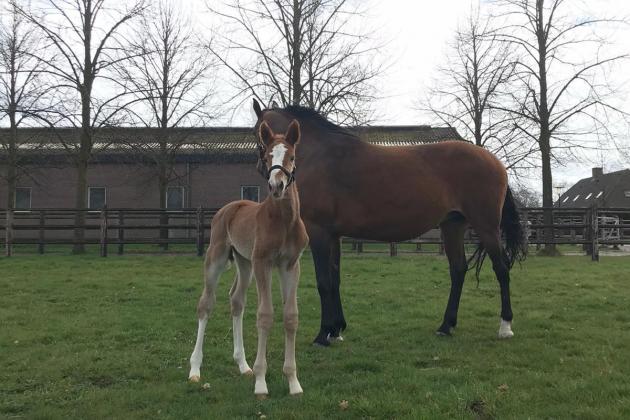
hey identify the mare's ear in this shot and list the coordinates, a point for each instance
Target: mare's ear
(265, 134)
(257, 109)
(293, 133)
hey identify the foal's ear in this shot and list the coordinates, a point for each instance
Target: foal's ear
(257, 109)
(293, 133)
(265, 134)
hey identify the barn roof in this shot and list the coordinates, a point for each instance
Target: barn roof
(201, 144)
(606, 189)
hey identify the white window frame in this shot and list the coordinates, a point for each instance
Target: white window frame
(576, 197)
(89, 198)
(183, 191)
(588, 196)
(30, 198)
(566, 199)
(599, 194)
(250, 186)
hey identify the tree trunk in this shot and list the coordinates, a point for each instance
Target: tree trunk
(80, 204)
(162, 186)
(12, 163)
(544, 140)
(296, 80)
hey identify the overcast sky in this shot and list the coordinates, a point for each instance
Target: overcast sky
(417, 33)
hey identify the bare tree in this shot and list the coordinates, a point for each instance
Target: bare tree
(170, 76)
(21, 87)
(478, 74)
(301, 52)
(562, 93)
(87, 37)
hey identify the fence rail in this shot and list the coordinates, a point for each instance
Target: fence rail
(590, 227)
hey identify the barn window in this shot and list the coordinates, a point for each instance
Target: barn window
(576, 197)
(22, 198)
(97, 197)
(599, 194)
(588, 196)
(175, 198)
(250, 192)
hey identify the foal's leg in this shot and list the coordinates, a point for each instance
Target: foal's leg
(215, 263)
(238, 297)
(289, 277)
(492, 243)
(453, 236)
(264, 320)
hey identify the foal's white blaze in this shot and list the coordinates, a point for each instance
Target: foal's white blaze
(277, 158)
(239, 348)
(197, 354)
(505, 329)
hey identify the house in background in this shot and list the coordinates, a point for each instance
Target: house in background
(210, 166)
(606, 190)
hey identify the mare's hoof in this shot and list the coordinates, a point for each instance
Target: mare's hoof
(262, 397)
(194, 378)
(335, 339)
(444, 331)
(505, 329)
(506, 334)
(321, 341)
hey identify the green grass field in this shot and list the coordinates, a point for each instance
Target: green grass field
(89, 337)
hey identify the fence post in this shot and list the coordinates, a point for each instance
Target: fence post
(121, 232)
(8, 232)
(200, 231)
(594, 234)
(104, 231)
(42, 230)
(393, 249)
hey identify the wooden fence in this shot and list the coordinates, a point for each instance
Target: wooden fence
(589, 227)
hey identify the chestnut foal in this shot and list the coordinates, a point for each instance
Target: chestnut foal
(259, 237)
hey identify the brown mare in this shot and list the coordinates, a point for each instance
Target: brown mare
(259, 237)
(349, 187)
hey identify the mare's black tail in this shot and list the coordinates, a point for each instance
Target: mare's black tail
(515, 248)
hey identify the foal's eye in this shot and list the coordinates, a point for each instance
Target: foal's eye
(292, 158)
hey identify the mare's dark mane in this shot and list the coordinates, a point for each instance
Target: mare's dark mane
(317, 119)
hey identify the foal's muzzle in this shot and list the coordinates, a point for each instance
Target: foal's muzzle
(279, 180)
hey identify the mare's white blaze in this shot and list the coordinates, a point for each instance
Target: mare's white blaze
(239, 348)
(277, 158)
(197, 354)
(505, 329)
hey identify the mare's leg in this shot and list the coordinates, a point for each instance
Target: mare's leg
(238, 297)
(264, 320)
(289, 277)
(214, 264)
(453, 236)
(339, 321)
(491, 241)
(321, 243)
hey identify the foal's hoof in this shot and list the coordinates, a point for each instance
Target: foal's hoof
(297, 394)
(262, 397)
(194, 378)
(248, 372)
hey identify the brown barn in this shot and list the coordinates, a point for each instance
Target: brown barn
(210, 166)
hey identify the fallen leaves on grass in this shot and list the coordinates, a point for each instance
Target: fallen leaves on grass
(344, 405)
